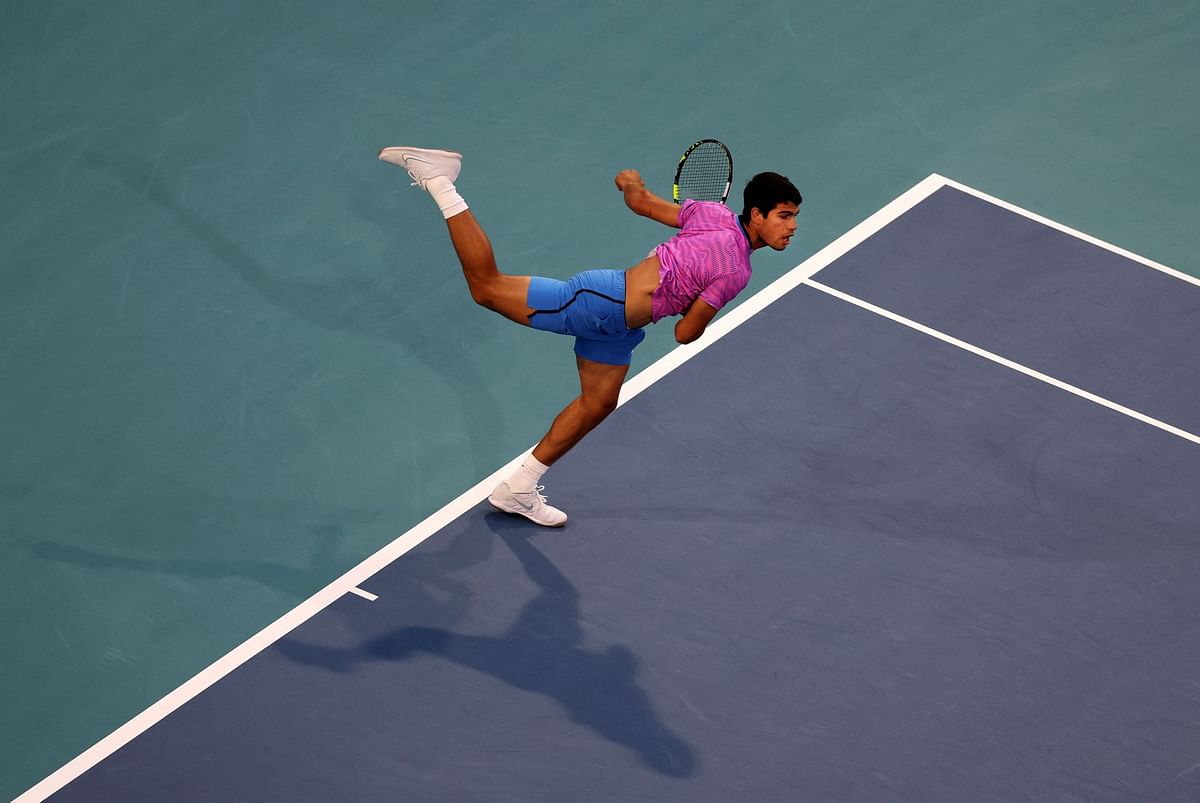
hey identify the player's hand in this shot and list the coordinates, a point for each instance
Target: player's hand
(643, 202)
(629, 178)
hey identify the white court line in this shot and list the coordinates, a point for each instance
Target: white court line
(1007, 363)
(1073, 232)
(472, 496)
(265, 638)
(782, 286)
(367, 595)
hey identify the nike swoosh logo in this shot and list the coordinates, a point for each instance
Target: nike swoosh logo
(406, 158)
(512, 497)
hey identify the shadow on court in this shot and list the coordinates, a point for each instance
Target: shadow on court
(430, 584)
(297, 581)
(541, 652)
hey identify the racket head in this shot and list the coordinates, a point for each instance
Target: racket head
(704, 173)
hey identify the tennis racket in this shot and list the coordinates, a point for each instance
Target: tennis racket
(705, 172)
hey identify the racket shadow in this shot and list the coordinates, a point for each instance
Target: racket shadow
(296, 581)
(431, 584)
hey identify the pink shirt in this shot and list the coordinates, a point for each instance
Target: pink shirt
(709, 258)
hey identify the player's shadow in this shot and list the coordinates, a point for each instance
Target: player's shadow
(541, 652)
(371, 307)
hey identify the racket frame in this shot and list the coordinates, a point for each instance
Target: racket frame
(684, 158)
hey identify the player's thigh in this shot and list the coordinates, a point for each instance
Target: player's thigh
(600, 383)
(508, 295)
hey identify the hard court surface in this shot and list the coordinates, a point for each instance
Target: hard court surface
(830, 557)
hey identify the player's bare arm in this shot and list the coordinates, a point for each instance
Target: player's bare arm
(693, 323)
(645, 203)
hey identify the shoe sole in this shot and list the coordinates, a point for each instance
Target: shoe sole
(398, 149)
(521, 512)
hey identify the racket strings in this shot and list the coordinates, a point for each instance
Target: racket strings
(704, 174)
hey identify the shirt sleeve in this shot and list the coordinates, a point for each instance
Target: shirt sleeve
(686, 211)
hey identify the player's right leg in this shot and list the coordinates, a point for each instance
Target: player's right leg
(505, 294)
(435, 171)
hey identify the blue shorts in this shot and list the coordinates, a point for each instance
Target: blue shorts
(590, 306)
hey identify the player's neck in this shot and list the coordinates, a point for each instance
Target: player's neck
(751, 232)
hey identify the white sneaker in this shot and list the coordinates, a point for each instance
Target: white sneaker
(530, 504)
(423, 164)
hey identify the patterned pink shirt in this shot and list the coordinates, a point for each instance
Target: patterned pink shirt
(709, 258)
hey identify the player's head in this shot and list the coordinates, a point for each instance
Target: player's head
(766, 191)
(769, 206)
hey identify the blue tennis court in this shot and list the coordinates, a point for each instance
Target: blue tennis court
(918, 522)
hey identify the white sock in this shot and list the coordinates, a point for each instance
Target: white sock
(525, 478)
(448, 199)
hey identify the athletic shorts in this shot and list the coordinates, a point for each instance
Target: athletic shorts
(590, 306)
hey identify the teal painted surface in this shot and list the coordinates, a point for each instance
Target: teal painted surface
(236, 355)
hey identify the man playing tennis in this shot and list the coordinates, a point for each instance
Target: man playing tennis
(694, 274)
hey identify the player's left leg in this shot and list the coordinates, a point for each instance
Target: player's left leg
(599, 390)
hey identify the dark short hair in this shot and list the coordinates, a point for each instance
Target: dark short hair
(766, 191)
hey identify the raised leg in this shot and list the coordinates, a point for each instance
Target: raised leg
(435, 171)
(489, 287)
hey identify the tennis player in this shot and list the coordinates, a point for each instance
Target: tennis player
(694, 274)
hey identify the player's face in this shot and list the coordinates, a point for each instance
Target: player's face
(779, 226)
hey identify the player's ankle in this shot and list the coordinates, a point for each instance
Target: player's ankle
(446, 195)
(527, 476)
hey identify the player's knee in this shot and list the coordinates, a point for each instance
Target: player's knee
(484, 295)
(596, 409)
